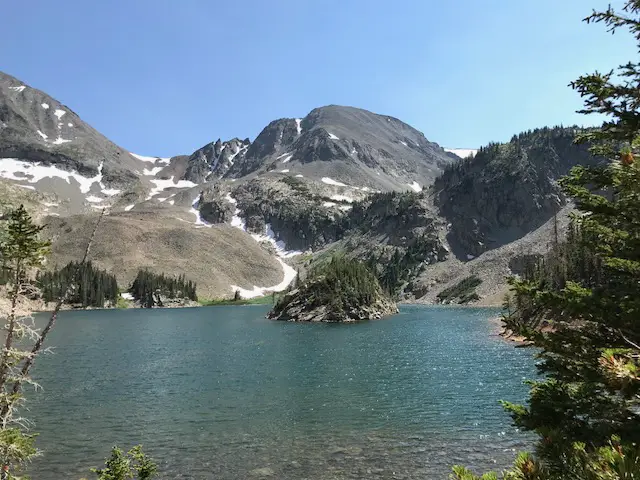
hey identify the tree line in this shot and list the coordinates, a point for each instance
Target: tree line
(150, 288)
(585, 407)
(88, 285)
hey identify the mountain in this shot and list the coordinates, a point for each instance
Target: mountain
(340, 144)
(507, 190)
(242, 215)
(38, 128)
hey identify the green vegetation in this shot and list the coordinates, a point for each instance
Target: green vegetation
(341, 285)
(264, 300)
(135, 464)
(586, 409)
(149, 288)
(89, 286)
(21, 253)
(462, 292)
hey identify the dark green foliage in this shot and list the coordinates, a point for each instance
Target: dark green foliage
(507, 189)
(341, 284)
(148, 288)
(586, 409)
(135, 464)
(462, 292)
(93, 287)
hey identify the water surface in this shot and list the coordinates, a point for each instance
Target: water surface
(223, 393)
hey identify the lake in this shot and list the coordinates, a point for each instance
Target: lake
(223, 393)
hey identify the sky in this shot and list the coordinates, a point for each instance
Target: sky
(164, 77)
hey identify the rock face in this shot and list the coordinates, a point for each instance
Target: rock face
(507, 190)
(37, 128)
(349, 145)
(343, 290)
(215, 159)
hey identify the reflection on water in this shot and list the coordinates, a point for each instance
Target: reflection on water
(223, 393)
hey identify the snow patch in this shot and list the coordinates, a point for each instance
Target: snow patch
(26, 186)
(126, 296)
(328, 204)
(59, 113)
(43, 135)
(345, 207)
(332, 136)
(404, 143)
(129, 207)
(330, 181)
(470, 257)
(299, 176)
(341, 198)
(110, 192)
(60, 141)
(415, 186)
(286, 159)
(462, 152)
(69, 124)
(50, 204)
(298, 125)
(18, 89)
(94, 199)
(286, 170)
(289, 276)
(144, 158)
(10, 167)
(200, 222)
(151, 172)
(45, 106)
(162, 185)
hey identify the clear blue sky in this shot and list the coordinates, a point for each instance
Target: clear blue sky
(163, 77)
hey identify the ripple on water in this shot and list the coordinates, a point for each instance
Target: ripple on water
(222, 393)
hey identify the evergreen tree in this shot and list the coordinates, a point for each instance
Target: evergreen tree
(587, 409)
(148, 288)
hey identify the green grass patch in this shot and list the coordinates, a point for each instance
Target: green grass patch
(266, 300)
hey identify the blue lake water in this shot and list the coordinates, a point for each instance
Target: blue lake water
(223, 393)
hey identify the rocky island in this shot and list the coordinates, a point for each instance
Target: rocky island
(340, 290)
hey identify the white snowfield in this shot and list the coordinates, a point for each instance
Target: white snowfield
(328, 204)
(287, 158)
(18, 89)
(129, 207)
(299, 175)
(162, 185)
(60, 141)
(462, 152)
(145, 158)
(43, 135)
(332, 136)
(126, 296)
(279, 246)
(200, 222)
(45, 106)
(415, 186)
(298, 125)
(286, 170)
(59, 113)
(331, 181)
(21, 171)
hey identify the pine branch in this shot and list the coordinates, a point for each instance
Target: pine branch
(52, 320)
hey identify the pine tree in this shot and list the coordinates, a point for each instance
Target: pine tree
(586, 411)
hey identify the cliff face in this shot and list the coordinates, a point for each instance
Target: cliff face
(507, 190)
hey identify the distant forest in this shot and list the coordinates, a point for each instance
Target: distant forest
(92, 286)
(148, 288)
